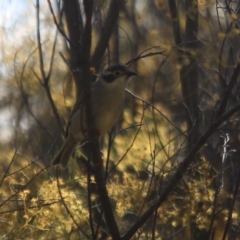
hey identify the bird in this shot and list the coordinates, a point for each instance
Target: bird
(107, 98)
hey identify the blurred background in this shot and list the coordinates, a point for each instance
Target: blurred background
(187, 54)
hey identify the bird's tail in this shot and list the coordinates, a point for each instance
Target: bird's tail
(64, 153)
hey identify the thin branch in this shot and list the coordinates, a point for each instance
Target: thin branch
(8, 168)
(23, 187)
(229, 220)
(228, 91)
(23, 93)
(46, 77)
(152, 173)
(219, 186)
(110, 142)
(21, 169)
(65, 205)
(168, 120)
(52, 57)
(31, 207)
(107, 29)
(132, 143)
(179, 172)
(153, 111)
(51, 102)
(58, 26)
(140, 56)
(186, 225)
(221, 78)
(54, 109)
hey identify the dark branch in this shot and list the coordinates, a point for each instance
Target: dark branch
(180, 171)
(107, 29)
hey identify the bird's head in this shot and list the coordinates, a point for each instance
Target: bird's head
(117, 72)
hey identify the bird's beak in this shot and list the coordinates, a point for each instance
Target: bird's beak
(131, 73)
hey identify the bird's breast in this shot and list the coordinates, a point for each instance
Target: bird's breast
(106, 117)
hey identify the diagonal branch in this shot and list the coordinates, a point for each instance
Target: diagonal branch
(46, 77)
(107, 29)
(228, 90)
(60, 29)
(65, 205)
(180, 171)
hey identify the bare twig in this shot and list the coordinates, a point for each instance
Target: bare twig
(110, 142)
(107, 29)
(46, 77)
(230, 211)
(132, 143)
(24, 95)
(23, 187)
(148, 103)
(32, 207)
(140, 56)
(219, 187)
(21, 169)
(180, 171)
(228, 91)
(58, 26)
(153, 110)
(65, 205)
(222, 80)
(6, 173)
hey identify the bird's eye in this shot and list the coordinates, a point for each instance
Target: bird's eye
(117, 73)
